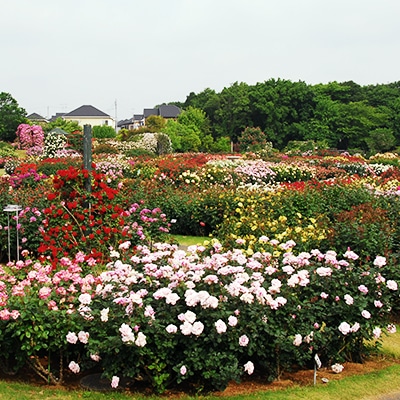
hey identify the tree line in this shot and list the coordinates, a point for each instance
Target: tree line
(345, 115)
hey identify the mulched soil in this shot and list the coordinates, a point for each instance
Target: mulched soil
(248, 386)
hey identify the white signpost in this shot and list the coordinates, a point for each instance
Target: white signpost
(10, 209)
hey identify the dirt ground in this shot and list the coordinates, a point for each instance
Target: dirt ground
(306, 377)
(248, 386)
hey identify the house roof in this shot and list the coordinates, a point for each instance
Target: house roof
(166, 111)
(58, 115)
(150, 111)
(169, 111)
(124, 122)
(86, 111)
(36, 117)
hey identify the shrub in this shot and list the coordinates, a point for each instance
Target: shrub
(104, 148)
(93, 220)
(204, 318)
(362, 228)
(252, 139)
(10, 165)
(53, 142)
(30, 136)
(103, 132)
(7, 150)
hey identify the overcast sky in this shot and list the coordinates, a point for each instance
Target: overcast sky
(125, 55)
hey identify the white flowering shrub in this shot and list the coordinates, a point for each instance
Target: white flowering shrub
(53, 143)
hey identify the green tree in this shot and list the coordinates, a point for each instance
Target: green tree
(380, 140)
(67, 126)
(183, 138)
(155, 123)
(195, 118)
(190, 132)
(207, 100)
(281, 108)
(11, 115)
(233, 115)
(357, 120)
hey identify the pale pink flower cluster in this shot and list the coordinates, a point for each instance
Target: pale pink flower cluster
(74, 367)
(243, 341)
(298, 340)
(345, 328)
(249, 367)
(127, 336)
(114, 382)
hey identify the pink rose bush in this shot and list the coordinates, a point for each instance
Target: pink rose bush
(206, 316)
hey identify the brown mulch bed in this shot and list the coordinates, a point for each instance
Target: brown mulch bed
(250, 385)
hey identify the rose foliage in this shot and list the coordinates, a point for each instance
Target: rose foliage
(202, 317)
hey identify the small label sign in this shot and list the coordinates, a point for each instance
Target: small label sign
(317, 361)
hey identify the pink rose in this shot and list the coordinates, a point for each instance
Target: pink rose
(171, 328)
(83, 337)
(380, 261)
(249, 367)
(344, 328)
(74, 367)
(243, 341)
(114, 382)
(220, 326)
(71, 337)
(44, 292)
(363, 289)
(366, 314)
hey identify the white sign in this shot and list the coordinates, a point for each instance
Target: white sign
(317, 361)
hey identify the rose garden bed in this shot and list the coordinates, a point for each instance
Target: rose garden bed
(98, 288)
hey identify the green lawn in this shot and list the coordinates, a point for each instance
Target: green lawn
(189, 240)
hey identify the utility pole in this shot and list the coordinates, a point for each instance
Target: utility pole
(116, 121)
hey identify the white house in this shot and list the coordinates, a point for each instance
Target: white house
(89, 115)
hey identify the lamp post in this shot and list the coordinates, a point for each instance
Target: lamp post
(9, 209)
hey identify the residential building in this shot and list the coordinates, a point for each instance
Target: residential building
(89, 115)
(166, 111)
(35, 117)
